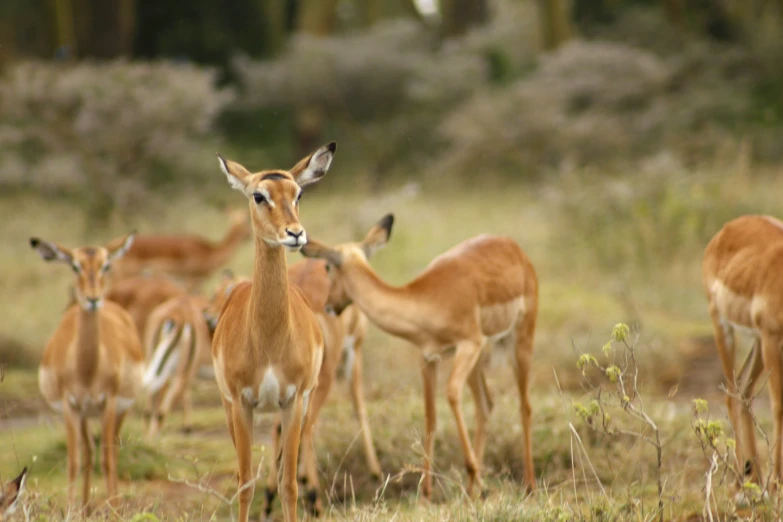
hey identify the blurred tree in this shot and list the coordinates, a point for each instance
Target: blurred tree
(460, 15)
(555, 22)
(64, 25)
(274, 16)
(103, 29)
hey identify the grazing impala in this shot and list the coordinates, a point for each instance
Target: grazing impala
(742, 274)
(92, 365)
(10, 494)
(268, 345)
(312, 278)
(178, 342)
(188, 257)
(480, 291)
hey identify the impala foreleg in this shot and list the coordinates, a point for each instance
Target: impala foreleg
(746, 381)
(171, 393)
(109, 447)
(359, 408)
(291, 431)
(465, 359)
(87, 447)
(429, 373)
(523, 355)
(272, 478)
(242, 421)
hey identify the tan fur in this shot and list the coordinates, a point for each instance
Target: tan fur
(10, 494)
(185, 315)
(188, 257)
(466, 299)
(742, 277)
(139, 295)
(92, 364)
(268, 346)
(312, 278)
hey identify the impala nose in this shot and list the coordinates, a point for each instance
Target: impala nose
(93, 303)
(298, 236)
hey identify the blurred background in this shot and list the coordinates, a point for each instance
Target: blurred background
(611, 138)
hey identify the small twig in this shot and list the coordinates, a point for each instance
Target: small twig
(582, 446)
(707, 511)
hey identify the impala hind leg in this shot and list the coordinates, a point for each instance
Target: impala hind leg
(465, 359)
(291, 431)
(171, 394)
(483, 401)
(746, 380)
(523, 355)
(272, 478)
(359, 408)
(429, 373)
(771, 345)
(725, 345)
(309, 459)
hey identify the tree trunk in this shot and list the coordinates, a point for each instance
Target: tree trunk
(554, 22)
(64, 26)
(274, 13)
(105, 29)
(460, 15)
(317, 17)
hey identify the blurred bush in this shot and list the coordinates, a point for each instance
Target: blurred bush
(104, 133)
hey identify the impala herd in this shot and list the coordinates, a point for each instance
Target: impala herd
(275, 342)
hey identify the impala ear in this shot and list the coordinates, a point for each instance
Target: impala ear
(314, 167)
(10, 495)
(378, 235)
(51, 251)
(120, 246)
(237, 174)
(315, 249)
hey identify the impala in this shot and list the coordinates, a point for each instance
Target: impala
(178, 341)
(268, 346)
(92, 365)
(188, 257)
(741, 274)
(10, 494)
(341, 335)
(478, 292)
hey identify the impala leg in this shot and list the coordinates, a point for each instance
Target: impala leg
(187, 409)
(72, 441)
(229, 409)
(172, 393)
(523, 354)
(272, 478)
(465, 359)
(87, 447)
(429, 373)
(725, 345)
(242, 420)
(109, 448)
(483, 401)
(747, 379)
(357, 397)
(773, 361)
(291, 431)
(309, 460)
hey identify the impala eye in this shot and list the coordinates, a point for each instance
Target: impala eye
(298, 198)
(259, 198)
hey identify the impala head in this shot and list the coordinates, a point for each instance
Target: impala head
(89, 264)
(11, 493)
(274, 195)
(339, 256)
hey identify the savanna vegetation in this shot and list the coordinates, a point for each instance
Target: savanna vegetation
(611, 139)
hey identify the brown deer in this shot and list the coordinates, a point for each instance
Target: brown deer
(92, 365)
(471, 296)
(268, 346)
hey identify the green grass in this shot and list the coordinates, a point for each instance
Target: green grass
(581, 298)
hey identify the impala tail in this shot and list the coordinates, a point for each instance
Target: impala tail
(173, 339)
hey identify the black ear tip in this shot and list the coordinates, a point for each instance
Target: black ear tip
(386, 222)
(34, 242)
(331, 146)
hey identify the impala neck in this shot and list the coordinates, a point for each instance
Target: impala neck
(386, 306)
(269, 311)
(88, 336)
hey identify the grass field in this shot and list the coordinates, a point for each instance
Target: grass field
(594, 271)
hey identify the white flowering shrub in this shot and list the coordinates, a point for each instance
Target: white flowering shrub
(106, 132)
